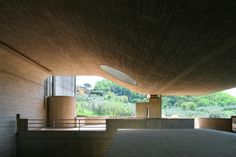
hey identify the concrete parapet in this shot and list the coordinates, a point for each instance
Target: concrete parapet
(222, 124)
(150, 123)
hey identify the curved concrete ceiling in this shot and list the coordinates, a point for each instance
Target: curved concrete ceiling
(169, 47)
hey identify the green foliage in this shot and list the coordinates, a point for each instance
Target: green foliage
(107, 105)
(219, 99)
(215, 113)
(188, 105)
(212, 105)
(107, 86)
(110, 99)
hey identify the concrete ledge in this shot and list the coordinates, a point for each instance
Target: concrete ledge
(150, 123)
(222, 124)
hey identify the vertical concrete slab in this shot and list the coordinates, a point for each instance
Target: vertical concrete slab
(155, 106)
(142, 109)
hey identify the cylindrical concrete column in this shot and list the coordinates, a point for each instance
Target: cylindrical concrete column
(61, 108)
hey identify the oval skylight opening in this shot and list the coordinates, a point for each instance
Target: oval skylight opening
(119, 75)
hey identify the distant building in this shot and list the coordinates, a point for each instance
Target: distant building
(80, 90)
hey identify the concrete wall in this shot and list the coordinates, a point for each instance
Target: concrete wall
(142, 110)
(150, 123)
(214, 123)
(63, 144)
(233, 118)
(86, 144)
(151, 109)
(92, 120)
(155, 107)
(21, 91)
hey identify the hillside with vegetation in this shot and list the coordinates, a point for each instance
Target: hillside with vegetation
(110, 99)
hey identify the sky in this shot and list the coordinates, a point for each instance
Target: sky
(231, 91)
(80, 80)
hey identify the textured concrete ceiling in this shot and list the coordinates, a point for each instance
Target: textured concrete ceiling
(170, 47)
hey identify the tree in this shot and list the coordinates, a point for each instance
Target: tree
(188, 105)
(106, 86)
(215, 113)
(110, 99)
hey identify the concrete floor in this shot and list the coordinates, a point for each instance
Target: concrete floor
(173, 143)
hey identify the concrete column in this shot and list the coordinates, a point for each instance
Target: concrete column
(155, 106)
(142, 109)
(62, 107)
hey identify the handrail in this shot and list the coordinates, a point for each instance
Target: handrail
(78, 124)
(66, 119)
